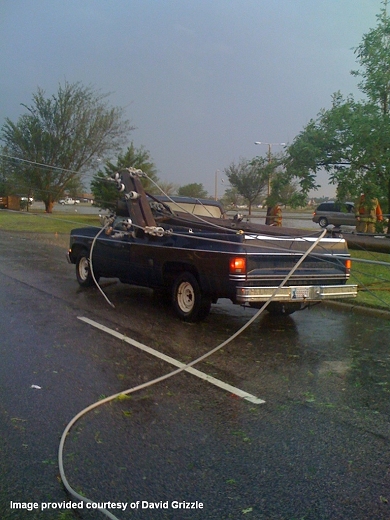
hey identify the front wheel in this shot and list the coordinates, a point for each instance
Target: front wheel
(189, 302)
(83, 270)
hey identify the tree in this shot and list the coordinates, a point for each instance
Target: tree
(60, 138)
(250, 178)
(285, 191)
(105, 193)
(5, 184)
(169, 188)
(193, 190)
(231, 197)
(351, 140)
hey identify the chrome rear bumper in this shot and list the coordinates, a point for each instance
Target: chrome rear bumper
(298, 293)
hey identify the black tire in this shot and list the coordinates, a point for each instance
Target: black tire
(283, 309)
(189, 303)
(83, 270)
(323, 222)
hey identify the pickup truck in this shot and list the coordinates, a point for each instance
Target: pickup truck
(197, 260)
(68, 200)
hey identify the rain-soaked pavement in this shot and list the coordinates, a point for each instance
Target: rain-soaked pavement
(318, 448)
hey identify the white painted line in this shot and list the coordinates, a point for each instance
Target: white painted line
(228, 388)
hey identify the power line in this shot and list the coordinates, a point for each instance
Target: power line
(39, 164)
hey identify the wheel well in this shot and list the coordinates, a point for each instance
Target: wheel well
(76, 250)
(172, 269)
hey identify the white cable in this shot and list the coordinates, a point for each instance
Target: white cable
(166, 376)
(91, 264)
(38, 164)
(198, 217)
(163, 378)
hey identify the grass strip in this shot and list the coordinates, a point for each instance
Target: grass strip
(41, 222)
(373, 280)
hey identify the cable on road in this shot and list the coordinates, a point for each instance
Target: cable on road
(68, 487)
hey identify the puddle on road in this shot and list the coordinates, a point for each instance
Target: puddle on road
(336, 367)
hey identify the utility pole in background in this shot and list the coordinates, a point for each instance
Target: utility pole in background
(270, 159)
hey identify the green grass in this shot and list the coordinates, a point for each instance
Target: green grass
(373, 280)
(40, 222)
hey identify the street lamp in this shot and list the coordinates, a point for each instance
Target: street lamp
(269, 159)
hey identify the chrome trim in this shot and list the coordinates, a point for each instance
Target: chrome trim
(295, 293)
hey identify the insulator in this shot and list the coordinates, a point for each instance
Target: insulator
(154, 231)
(118, 234)
(127, 224)
(132, 195)
(135, 172)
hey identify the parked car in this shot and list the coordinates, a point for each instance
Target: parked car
(68, 200)
(25, 202)
(335, 213)
(30, 200)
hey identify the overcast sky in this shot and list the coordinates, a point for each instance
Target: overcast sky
(201, 80)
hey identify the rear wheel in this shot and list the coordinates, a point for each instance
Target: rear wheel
(323, 222)
(83, 270)
(189, 302)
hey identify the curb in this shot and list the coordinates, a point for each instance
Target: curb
(359, 309)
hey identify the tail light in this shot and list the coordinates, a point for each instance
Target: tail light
(237, 265)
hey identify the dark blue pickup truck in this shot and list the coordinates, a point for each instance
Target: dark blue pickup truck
(196, 260)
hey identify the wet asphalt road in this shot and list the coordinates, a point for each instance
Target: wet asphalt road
(318, 448)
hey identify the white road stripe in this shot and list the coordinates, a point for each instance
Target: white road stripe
(176, 363)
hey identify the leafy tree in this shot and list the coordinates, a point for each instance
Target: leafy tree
(231, 197)
(250, 178)
(169, 188)
(285, 191)
(75, 187)
(60, 138)
(351, 140)
(193, 190)
(6, 187)
(105, 192)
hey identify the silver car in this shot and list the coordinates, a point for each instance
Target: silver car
(335, 213)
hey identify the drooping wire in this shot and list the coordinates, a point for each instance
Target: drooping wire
(91, 263)
(198, 217)
(163, 378)
(252, 234)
